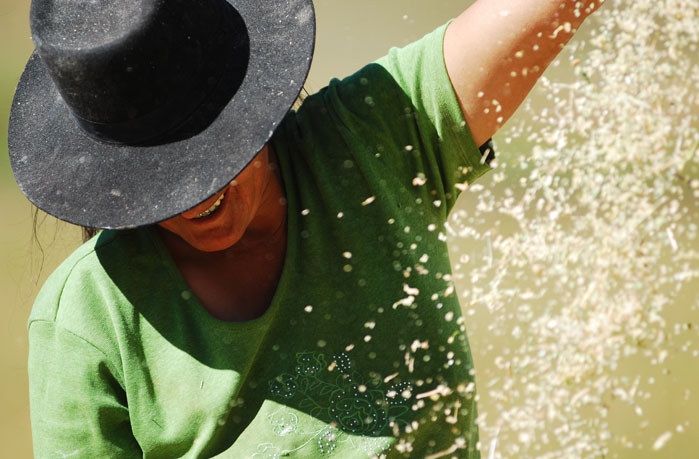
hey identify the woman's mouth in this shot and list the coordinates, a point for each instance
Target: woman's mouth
(211, 209)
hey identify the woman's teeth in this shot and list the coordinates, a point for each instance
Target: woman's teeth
(211, 209)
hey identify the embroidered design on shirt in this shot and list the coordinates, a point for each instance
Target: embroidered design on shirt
(333, 392)
(326, 438)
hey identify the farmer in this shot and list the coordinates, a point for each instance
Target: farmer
(269, 282)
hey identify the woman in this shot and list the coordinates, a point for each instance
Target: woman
(274, 282)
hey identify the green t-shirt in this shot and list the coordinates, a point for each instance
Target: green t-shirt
(363, 349)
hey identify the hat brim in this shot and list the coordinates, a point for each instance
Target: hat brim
(76, 178)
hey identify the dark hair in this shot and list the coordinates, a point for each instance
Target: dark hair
(37, 219)
(88, 233)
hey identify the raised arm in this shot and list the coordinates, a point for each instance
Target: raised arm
(496, 50)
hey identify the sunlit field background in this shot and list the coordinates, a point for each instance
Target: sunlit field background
(651, 406)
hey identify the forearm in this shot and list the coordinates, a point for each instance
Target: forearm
(497, 49)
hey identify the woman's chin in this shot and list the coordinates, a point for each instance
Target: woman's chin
(217, 244)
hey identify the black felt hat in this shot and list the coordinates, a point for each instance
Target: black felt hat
(132, 111)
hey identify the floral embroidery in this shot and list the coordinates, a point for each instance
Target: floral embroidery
(358, 412)
(333, 391)
(327, 441)
(283, 385)
(267, 451)
(284, 424)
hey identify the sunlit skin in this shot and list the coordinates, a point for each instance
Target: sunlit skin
(232, 259)
(496, 50)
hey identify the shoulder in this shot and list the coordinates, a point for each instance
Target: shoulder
(369, 91)
(47, 302)
(379, 94)
(81, 282)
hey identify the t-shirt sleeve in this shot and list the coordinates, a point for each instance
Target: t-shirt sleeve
(78, 408)
(421, 73)
(399, 121)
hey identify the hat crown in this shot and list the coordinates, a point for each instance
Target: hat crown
(84, 25)
(130, 70)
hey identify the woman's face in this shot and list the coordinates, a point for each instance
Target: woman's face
(220, 221)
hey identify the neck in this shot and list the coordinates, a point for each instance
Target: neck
(238, 283)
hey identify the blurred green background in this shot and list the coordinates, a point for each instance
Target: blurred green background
(350, 34)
